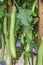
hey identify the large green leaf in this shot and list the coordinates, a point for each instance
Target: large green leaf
(25, 16)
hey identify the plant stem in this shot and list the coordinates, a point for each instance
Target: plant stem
(12, 34)
(2, 50)
(8, 57)
(40, 53)
(26, 60)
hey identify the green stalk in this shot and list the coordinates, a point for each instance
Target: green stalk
(27, 49)
(28, 41)
(8, 57)
(22, 38)
(33, 8)
(5, 26)
(26, 60)
(2, 45)
(2, 49)
(40, 53)
(12, 34)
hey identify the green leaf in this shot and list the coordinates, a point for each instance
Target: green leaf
(36, 46)
(25, 16)
(27, 29)
(1, 0)
(17, 24)
(35, 20)
(29, 41)
(2, 7)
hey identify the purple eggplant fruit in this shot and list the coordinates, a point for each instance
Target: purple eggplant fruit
(2, 63)
(18, 44)
(34, 51)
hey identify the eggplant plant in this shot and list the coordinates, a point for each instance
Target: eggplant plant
(20, 30)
